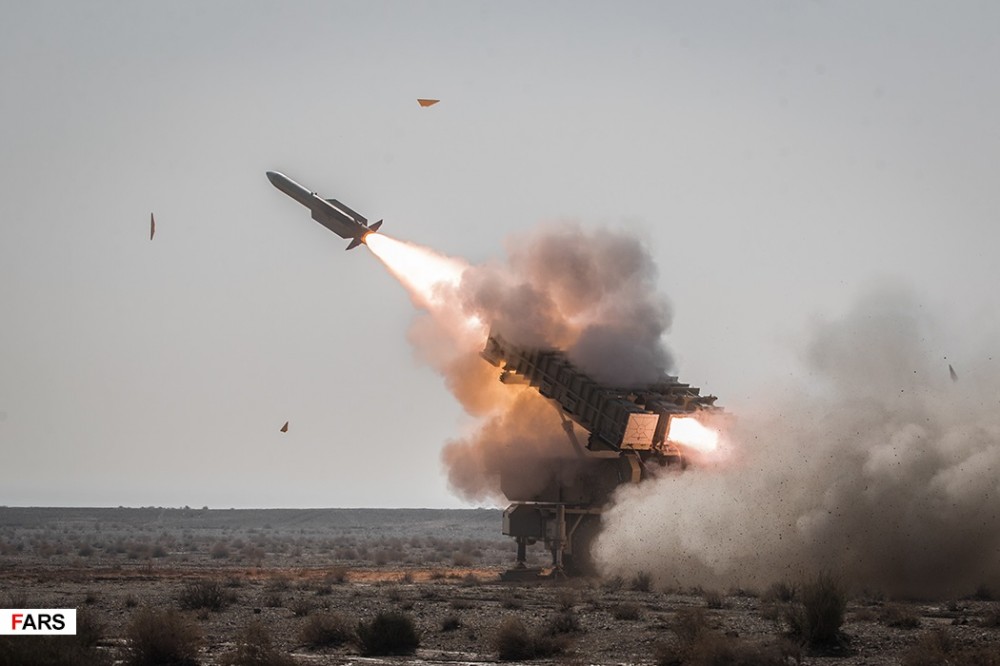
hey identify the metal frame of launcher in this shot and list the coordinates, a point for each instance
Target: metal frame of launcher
(628, 428)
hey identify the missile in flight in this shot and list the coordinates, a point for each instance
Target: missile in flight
(332, 214)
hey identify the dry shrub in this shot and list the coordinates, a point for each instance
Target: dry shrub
(48, 651)
(821, 614)
(642, 582)
(899, 617)
(161, 638)
(462, 560)
(451, 623)
(336, 576)
(613, 584)
(511, 600)
(689, 624)
(302, 607)
(513, 642)
(254, 647)
(712, 599)
(939, 648)
(279, 584)
(388, 634)
(714, 649)
(18, 599)
(219, 551)
(700, 645)
(89, 629)
(566, 599)
(780, 591)
(564, 622)
(272, 600)
(626, 611)
(78, 650)
(983, 593)
(990, 619)
(865, 615)
(326, 630)
(205, 594)
(667, 654)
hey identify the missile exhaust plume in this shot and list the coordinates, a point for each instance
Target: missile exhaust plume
(425, 273)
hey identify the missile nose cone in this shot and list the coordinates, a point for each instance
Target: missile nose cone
(277, 178)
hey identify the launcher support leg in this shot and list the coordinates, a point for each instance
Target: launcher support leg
(560, 538)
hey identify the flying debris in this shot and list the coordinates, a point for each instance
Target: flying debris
(427, 102)
(284, 428)
(332, 214)
(152, 226)
(951, 371)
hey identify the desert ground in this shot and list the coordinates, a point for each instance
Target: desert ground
(292, 586)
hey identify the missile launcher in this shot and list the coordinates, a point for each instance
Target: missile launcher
(628, 428)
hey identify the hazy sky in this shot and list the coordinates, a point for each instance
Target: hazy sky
(778, 158)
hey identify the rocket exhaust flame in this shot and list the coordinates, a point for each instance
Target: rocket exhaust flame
(423, 272)
(688, 431)
(432, 280)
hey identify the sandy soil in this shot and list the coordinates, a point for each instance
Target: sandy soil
(440, 568)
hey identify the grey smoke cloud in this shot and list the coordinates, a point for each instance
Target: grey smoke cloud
(589, 292)
(885, 472)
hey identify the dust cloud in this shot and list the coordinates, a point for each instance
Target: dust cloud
(882, 470)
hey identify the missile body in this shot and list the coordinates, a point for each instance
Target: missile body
(332, 214)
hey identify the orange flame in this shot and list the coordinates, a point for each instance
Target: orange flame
(690, 432)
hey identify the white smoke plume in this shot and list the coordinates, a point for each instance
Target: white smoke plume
(888, 475)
